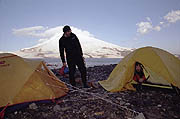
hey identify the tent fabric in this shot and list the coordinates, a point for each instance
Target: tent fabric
(23, 80)
(163, 68)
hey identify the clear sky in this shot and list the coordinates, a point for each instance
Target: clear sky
(128, 23)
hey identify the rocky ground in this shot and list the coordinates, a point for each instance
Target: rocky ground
(96, 103)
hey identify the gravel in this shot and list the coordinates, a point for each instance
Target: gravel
(151, 103)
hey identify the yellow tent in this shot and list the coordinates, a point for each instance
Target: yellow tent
(23, 80)
(163, 68)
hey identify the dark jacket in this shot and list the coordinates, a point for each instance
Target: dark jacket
(71, 46)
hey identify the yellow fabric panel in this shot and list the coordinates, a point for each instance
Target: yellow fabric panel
(150, 59)
(59, 89)
(161, 65)
(51, 75)
(56, 80)
(33, 63)
(7, 55)
(14, 73)
(155, 78)
(34, 89)
(24, 80)
(172, 63)
(121, 76)
(41, 86)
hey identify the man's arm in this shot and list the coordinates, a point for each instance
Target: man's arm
(79, 45)
(61, 50)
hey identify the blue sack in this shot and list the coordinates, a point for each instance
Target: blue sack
(66, 70)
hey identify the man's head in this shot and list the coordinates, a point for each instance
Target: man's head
(67, 30)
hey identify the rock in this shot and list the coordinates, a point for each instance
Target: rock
(83, 108)
(95, 84)
(122, 102)
(20, 112)
(171, 112)
(127, 104)
(44, 115)
(113, 115)
(65, 108)
(33, 106)
(105, 96)
(119, 98)
(15, 112)
(176, 117)
(91, 117)
(159, 105)
(56, 108)
(99, 113)
(140, 116)
(84, 105)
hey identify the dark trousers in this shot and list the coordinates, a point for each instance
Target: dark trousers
(72, 63)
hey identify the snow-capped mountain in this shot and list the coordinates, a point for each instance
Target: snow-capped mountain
(48, 45)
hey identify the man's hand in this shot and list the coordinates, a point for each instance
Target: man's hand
(64, 64)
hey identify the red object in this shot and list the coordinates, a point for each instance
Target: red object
(137, 78)
(2, 62)
(57, 101)
(53, 100)
(2, 112)
(61, 71)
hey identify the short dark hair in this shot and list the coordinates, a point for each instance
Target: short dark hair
(66, 28)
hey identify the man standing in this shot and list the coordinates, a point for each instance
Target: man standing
(74, 55)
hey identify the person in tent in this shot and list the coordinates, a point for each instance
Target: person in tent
(139, 76)
(69, 43)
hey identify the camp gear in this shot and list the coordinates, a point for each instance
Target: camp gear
(66, 70)
(3, 111)
(163, 68)
(63, 70)
(23, 80)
